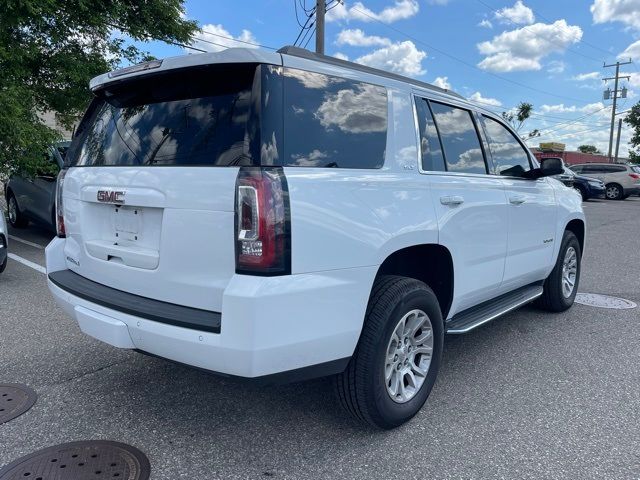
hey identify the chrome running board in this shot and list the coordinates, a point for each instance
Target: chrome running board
(473, 317)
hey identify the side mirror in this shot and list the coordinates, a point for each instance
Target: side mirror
(548, 168)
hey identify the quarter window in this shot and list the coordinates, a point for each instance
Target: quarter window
(460, 142)
(432, 158)
(509, 156)
(333, 122)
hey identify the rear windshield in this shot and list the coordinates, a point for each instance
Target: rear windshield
(235, 115)
(193, 117)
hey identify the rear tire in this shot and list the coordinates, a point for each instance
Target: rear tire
(561, 285)
(403, 317)
(16, 218)
(613, 191)
(3, 265)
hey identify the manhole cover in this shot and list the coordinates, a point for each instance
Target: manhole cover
(15, 399)
(81, 461)
(604, 301)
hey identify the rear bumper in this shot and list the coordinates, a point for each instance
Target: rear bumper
(271, 328)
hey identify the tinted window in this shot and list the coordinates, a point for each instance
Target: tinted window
(333, 122)
(432, 158)
(577, 168)
(460, 140)
(593, 169)
(197, 117)
(616, 168)
(509, 157)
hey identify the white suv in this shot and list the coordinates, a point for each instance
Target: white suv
(283, 215)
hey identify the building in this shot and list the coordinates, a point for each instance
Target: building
(570, 158)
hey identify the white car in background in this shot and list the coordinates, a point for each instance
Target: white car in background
(4, 243)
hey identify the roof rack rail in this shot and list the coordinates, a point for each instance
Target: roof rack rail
(304, 53)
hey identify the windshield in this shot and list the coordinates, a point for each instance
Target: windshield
(636, 168)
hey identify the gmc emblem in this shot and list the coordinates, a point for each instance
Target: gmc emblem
(107, 196)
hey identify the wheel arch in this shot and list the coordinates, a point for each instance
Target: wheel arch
(577, 227)
(430, 263)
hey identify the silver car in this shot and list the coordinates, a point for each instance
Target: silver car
(621, 180)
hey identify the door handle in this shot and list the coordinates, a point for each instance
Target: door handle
(453, 200)
(517, 199)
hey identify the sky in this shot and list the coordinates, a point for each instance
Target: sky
(496, 52)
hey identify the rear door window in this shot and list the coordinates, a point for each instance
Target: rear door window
(509, 156)
(460, 141)
(430, 148)
(333, 122)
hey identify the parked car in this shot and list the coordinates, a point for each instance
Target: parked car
(621, 180)
(32, 198)
(588, 187)
(4, 242)
(286, 215)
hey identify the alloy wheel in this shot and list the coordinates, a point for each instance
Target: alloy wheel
(13, 210)
(569, 271)
(408, 356)
(613, 192)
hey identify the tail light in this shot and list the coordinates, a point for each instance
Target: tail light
(60, 230)
(263, 230)
(635, 176)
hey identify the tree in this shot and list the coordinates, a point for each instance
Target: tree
(517, 117)
(591, 149)
(633, 120)
(50, 49)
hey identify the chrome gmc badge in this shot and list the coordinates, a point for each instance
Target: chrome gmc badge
(111, 196)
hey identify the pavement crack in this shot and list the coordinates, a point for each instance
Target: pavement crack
(89, 373)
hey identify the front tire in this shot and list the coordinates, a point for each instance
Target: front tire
(398, 356)
(561, 285)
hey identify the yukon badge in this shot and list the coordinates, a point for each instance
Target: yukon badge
(111, 196)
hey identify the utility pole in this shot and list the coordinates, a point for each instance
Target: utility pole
(618, 140)
(615, 98)
(321, 10)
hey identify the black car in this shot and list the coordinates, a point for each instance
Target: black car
(33, 198)
(587, 186)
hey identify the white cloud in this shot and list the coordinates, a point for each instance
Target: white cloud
(519, 14)
(625, 11)
(401, 10)
(401, 57)
(216, 34)
(597, 108)
(524, 48)
(485, 24)
(477, 97)
(357, 38)
(582, 77)
(632, 51)
(442, 82)
(341, 56)
(556, 66)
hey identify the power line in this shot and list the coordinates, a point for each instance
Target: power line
(442, 52)
(232, 39)
(538, 35)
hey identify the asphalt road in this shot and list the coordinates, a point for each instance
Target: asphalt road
(530, 395)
